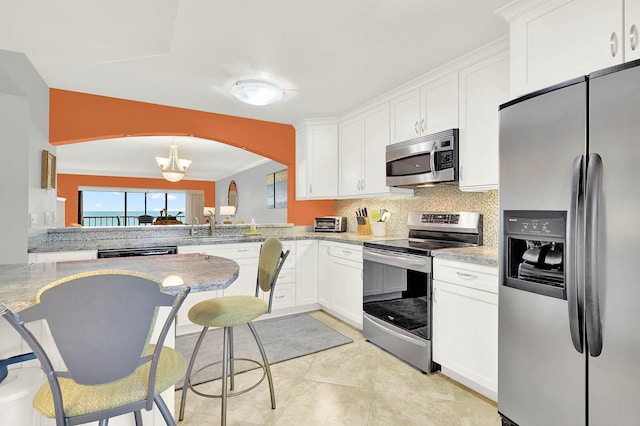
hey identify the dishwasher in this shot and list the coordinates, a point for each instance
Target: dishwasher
(138, 251)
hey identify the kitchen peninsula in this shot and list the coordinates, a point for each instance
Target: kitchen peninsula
(20, 283)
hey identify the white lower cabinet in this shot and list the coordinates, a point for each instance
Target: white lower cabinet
(465, 323)
(340, 283)
(325, 297)
(284, 294)
(62, 256)
(306, 272)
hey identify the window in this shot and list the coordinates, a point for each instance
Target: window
(123, 208)
(277, 190)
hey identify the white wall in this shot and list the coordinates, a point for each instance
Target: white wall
(24, 133)
(252, 195)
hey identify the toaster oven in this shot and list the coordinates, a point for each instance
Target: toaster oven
(330, 224)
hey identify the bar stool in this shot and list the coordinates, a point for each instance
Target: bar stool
(101, 323)
(231, 311)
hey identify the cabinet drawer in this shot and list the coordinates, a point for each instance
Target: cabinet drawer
(480, 277)
(290, 263)
(62, 256)
(236, 251)
(289, 245)
(286, 276)
(284, 296)
(347, 251)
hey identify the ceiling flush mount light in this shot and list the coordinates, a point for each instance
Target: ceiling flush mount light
(173, 168)
(257, 92)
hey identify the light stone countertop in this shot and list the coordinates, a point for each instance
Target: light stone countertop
(119, 243)
(19, 284)
(484, 255)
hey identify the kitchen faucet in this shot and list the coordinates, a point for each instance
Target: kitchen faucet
(212, 223)
(194, 231)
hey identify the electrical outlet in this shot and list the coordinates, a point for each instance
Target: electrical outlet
(33, 220)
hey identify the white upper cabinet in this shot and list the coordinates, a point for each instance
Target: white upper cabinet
(317, 159)
(350, 149)
(406, 116)
(483, 87)
(557, 40)
(428, 109)
(631, 30)
(362, 148)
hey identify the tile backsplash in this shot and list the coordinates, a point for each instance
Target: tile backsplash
(440, 198)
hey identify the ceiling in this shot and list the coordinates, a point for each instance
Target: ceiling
(329, 56)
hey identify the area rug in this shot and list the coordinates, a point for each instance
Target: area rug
(283, 338)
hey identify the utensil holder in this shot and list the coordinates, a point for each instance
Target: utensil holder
(379, 229)
(366, 228)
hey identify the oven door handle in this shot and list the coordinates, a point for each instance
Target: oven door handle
(397, 259)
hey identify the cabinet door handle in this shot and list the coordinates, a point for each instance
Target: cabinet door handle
(347, 252)
(435, 299)
(416, 128)
(613, 44)
(633, 37)
(466, 276)
(280, 297)
(422, 124)
(310, 188)
(243, 250)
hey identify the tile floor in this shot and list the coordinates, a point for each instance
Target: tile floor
(354, 384)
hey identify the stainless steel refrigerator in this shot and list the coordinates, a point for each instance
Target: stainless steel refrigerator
(569, 298)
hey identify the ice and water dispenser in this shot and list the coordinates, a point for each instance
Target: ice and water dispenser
(534, 250)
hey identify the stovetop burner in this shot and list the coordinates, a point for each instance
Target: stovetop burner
(412, 247)
(431, 231)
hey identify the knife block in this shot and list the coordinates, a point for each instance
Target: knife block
(366, 228)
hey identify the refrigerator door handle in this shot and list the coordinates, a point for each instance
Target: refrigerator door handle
(575, 311)
(592, 302)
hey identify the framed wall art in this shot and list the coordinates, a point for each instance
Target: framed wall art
(48, 180)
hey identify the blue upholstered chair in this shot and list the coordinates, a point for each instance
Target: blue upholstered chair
(101, 323)
(231, 311)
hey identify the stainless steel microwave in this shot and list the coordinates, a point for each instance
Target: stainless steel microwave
(424, 160)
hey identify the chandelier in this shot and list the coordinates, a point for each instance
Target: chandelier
(173, 168)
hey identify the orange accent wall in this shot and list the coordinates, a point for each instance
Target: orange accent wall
(81, 117)
(68, 188)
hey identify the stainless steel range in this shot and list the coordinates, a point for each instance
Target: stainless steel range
(397, 283)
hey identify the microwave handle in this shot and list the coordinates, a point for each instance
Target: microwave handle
(432, 161)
